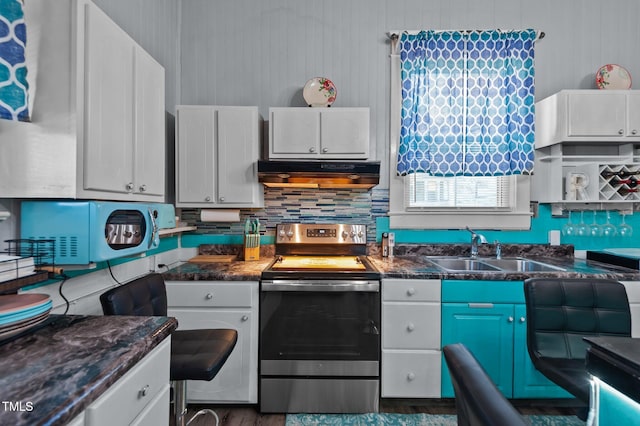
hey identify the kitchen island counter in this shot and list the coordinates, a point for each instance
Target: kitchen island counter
(52, 374)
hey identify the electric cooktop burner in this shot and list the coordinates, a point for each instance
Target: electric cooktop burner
(323, 251)
(319, 262)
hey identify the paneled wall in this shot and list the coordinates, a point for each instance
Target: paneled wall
(247, 52)
(154, 24)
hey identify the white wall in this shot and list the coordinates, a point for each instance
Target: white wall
(154, 25)
(247, 52)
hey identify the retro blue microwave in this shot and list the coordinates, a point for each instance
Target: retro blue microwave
(91, 231)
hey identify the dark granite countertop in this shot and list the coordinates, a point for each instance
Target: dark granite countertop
(68, 362)
(411, 262)
(419, 267)
(616, 361)
(232, 271)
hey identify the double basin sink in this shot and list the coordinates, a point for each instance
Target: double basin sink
(505, 264)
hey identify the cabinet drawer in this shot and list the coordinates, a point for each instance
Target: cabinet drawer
(411, 374)
(157, 412)
(126, 398)
(411, 290)
(210, 294)
(410, 326)
(479, 291)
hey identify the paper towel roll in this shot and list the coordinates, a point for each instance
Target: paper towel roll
(220, 215)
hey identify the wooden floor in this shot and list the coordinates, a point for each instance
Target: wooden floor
(249, 415)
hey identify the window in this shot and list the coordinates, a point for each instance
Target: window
(481, 192)
(464, 144)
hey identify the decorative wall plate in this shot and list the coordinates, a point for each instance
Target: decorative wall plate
(319, 92)
(613, 77)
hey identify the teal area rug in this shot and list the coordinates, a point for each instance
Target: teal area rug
(395, 419)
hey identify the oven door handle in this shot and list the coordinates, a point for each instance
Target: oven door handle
(318, 286)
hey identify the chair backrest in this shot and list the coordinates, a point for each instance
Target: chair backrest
(144, 296)
(478, 401)
(560, 312)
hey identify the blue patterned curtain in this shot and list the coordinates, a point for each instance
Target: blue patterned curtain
(467, 103)
(13, 69)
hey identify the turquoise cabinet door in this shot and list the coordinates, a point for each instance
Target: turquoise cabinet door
(487, 330)
(527, 381)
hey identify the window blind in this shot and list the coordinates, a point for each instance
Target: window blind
(482, 192)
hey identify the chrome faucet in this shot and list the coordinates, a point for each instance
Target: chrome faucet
(498, 249)
(475, 240)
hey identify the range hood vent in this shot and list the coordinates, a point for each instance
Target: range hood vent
(319, 174)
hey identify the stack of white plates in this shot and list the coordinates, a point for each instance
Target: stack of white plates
(20, 312)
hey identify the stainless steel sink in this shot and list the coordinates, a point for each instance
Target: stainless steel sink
(519, 264)
(508, 264)
(463, 264)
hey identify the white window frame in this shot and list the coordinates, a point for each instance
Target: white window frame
(401, 216)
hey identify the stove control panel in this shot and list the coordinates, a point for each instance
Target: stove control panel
(299, 233)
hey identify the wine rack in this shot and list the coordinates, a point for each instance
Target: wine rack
(619, 182)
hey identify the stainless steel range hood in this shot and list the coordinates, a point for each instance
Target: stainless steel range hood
(319, 174)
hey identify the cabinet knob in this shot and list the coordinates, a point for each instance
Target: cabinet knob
(245, 318)
(312, 150)
(143, 188)
(411, 376)
(510, 319)
(209, 296)
(143, 392)
(411, 291)
(221, 199)
(634, 132)
(325, 150)
(411, 327)
(621, 132)
(130, 186)
(207, 199)
(522, 319)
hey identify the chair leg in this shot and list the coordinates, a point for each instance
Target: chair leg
(180, 405)
(179, 402)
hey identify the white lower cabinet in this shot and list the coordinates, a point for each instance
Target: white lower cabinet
(411, 355)
(140, 397)
(221, 304)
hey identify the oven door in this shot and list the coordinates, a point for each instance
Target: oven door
(334, 322)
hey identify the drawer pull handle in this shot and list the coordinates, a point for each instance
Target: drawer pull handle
(634, 132)
(510, 319)
(411, 376)
(481, 305)
(245, 318)
(411, 291)
(411, 327)
(209, 296)
(621, 132)
(143, 392)
(522, 319)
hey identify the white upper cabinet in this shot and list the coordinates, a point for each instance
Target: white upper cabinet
(98, 116)
(217, 150)
(588, 116)
(317, 133)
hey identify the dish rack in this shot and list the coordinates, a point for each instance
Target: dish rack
(25, 257)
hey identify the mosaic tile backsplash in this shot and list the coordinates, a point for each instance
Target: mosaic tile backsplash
(359, 206)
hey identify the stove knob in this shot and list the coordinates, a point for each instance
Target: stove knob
(290, 233)
(353, 234)
(281, 233)
(360, 234)
(345, 234)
